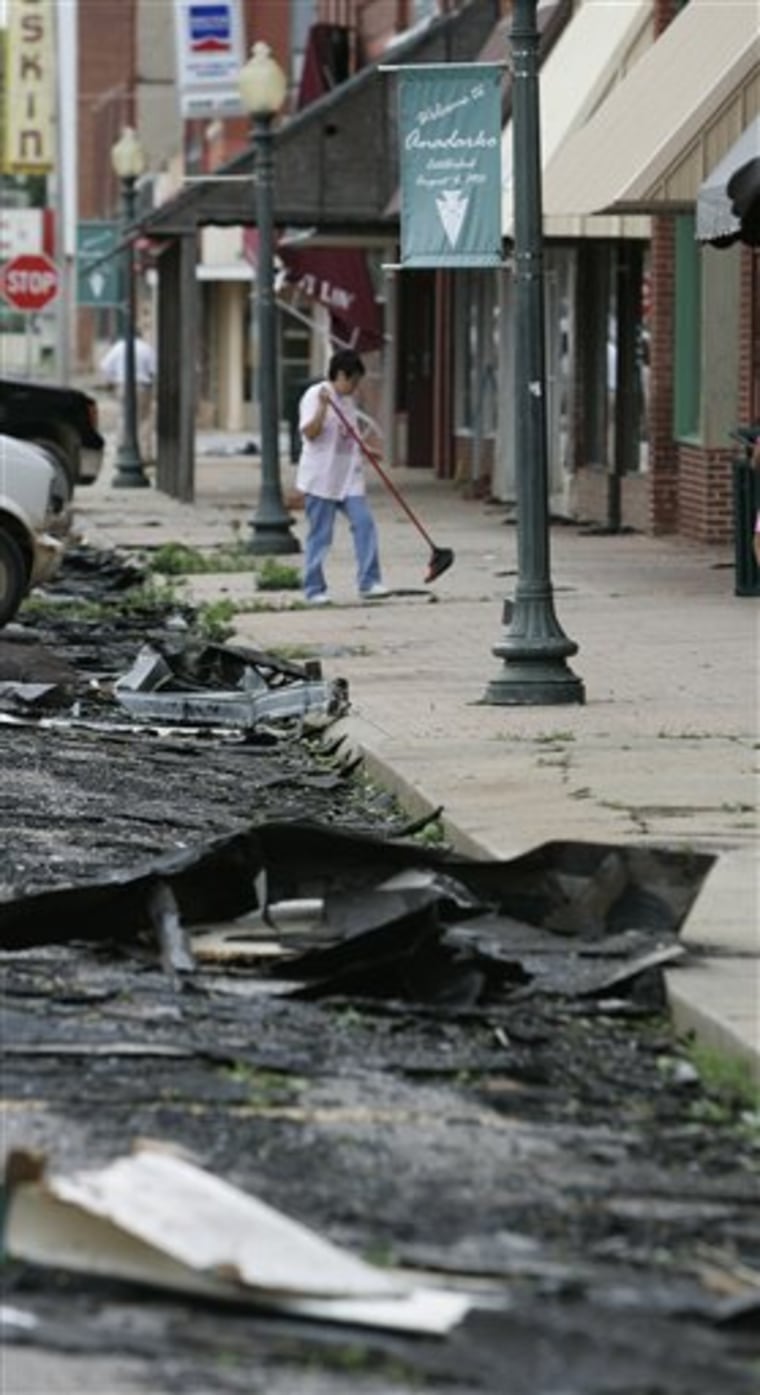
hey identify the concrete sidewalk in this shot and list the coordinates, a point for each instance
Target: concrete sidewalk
(665, 749)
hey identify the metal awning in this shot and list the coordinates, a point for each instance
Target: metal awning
(651, 143)
(592, 54)
(715, 212)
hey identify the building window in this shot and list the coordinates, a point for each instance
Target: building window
(477, 328)
(687, 329)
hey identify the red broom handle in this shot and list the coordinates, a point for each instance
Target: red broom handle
(373, 460)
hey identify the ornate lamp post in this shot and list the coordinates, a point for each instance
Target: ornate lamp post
(128, 160)
(534, 647)
(262, 88)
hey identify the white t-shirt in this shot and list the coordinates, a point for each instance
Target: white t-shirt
(330, 466)
(113, 365)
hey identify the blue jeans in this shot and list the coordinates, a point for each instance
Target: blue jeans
(320, 516)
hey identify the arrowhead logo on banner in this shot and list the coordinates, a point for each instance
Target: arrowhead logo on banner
(97, 283)
(452, 209)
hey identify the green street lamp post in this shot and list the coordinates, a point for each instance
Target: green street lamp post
(533, 647)
(128, 162)
(262, 88)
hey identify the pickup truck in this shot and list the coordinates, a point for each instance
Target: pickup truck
(63, 422)
(28, 552)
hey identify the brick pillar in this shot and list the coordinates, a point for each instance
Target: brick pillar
(663, 454)
(749, 337)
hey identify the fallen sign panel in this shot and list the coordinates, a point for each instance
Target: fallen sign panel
(153, 1217)
(225, 687)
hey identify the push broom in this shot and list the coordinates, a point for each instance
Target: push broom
(441, 558)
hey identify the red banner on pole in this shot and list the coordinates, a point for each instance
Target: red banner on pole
(339, 279)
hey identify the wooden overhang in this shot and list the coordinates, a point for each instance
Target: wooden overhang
(336, 161)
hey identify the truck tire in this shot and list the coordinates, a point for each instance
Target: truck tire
(63, 482)
(13, 576)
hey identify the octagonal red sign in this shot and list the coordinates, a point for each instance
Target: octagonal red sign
(29, 281)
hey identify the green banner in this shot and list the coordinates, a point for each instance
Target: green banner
(450, 130)
(98, 265)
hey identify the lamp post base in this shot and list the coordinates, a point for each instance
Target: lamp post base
(129, 471)
(535, 683)
(535, 650)
(272, 539)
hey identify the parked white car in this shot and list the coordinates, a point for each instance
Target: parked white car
(29, 553)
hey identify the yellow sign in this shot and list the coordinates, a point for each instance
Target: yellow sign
(29, 87)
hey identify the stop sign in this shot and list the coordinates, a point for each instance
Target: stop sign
(29, 281)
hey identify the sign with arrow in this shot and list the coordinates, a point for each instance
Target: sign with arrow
(98, 266)
(450, 128)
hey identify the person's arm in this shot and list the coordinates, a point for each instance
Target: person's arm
(315, 424)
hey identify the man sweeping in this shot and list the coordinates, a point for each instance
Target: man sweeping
(331, 478)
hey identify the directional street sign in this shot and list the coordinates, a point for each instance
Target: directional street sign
(29, 282)
(98, 269)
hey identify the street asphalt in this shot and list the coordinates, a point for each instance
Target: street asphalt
(664, 751)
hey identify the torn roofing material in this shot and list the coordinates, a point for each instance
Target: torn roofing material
(398, 920)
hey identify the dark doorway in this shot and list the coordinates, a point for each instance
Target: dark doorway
(414, 388)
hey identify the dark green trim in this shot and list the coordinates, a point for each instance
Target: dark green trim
(687, 328)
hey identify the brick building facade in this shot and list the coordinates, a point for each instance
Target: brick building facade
(690, 481)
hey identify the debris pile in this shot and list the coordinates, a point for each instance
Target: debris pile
(225, 686)
(394, 920)
(462, 1147)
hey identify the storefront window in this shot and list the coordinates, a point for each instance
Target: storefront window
(477, 327)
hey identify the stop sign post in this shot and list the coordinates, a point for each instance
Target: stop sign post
(29, 282)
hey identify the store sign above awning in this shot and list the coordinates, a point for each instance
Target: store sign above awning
(450, 133)
(210, 54)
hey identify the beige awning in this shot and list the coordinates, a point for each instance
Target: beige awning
(658, 134)
(592, 54)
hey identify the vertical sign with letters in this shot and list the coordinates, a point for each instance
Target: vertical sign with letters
(30, 87)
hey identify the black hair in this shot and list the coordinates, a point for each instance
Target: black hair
(345, 361)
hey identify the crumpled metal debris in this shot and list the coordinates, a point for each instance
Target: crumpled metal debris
(215, 881)
(29, 697)
(396, 920)
(24, 660)
(87, 568)
(223, 686)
